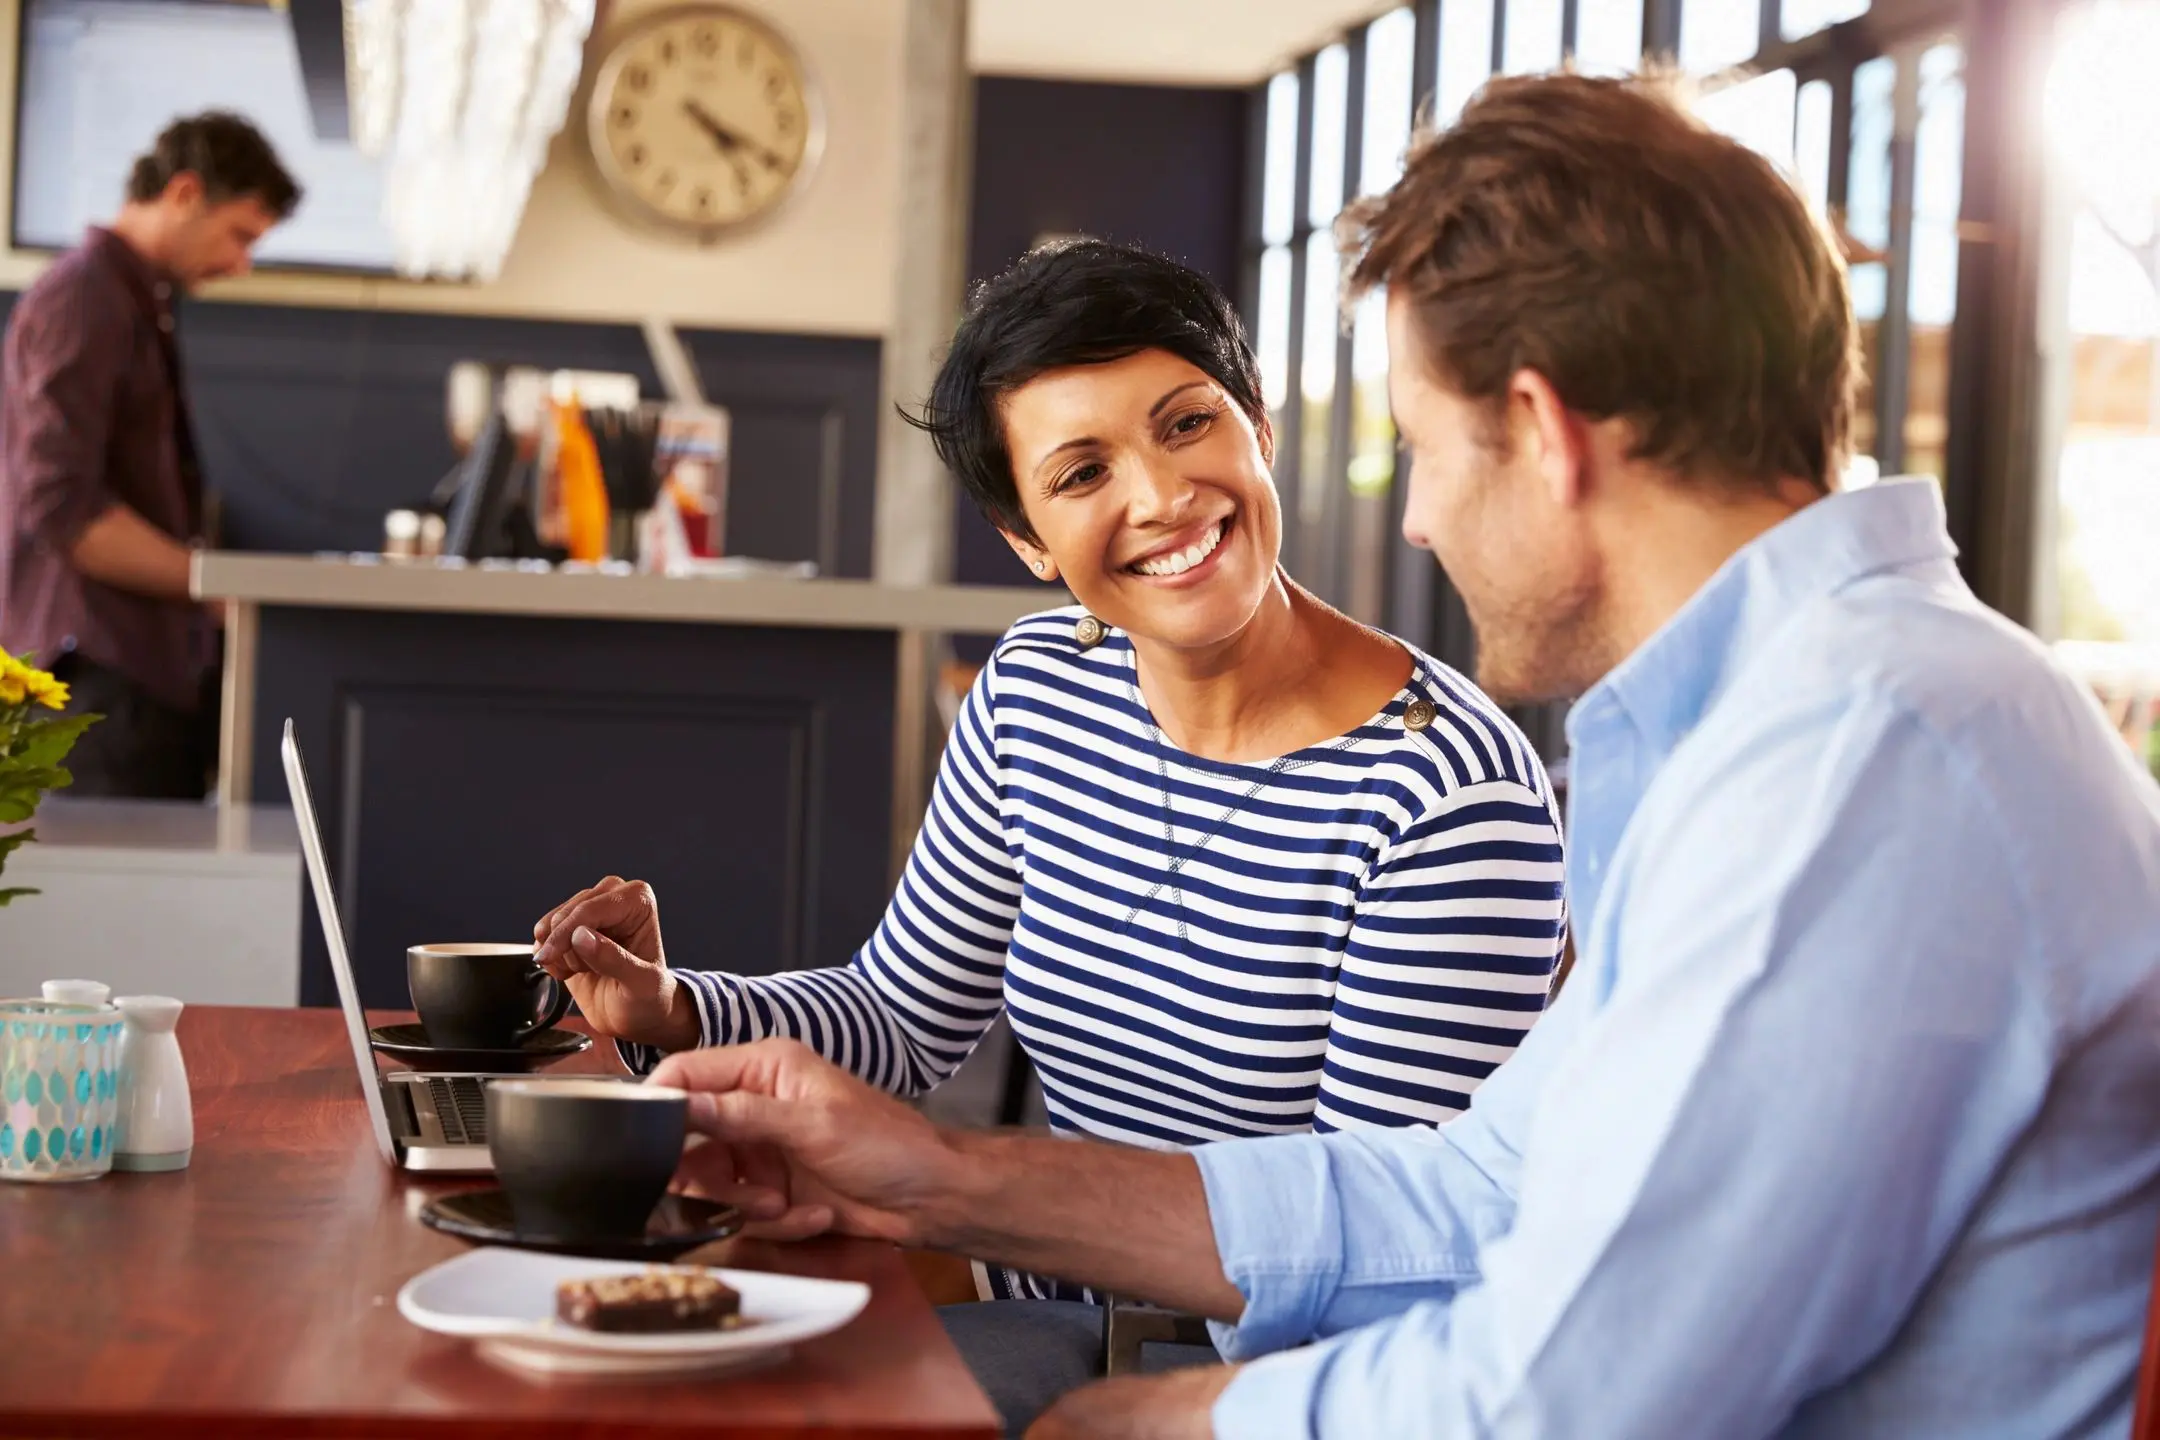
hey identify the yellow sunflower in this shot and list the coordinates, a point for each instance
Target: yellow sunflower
(48, 692)
(20, 681)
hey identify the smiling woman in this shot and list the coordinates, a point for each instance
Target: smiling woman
(1234, 864)
(1101, 453)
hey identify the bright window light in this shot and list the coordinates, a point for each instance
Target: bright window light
(1331, 100)
(1534, 29)
(1465, 57)
(1758, 113)
(1390, 57)
(1278, 205)
(2103, 112)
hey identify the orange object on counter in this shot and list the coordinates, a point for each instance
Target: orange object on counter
(584, 493)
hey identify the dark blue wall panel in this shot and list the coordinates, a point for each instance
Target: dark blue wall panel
(805, 416)
(472, 770)
(1154, 165)
(313, 422)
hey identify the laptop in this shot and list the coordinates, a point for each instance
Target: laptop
(436, 1123)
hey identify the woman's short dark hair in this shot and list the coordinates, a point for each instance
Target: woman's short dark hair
(226, 153)
(1080, 302)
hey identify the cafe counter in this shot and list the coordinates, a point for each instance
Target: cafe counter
(484, 741)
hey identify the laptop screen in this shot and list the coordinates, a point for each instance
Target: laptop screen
(303, 803)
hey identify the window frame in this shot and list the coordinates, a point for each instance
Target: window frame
(1420, 605)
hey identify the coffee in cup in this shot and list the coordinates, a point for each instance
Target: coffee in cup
(584, 1159)
(482, 997)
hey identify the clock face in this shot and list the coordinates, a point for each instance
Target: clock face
(703, 118)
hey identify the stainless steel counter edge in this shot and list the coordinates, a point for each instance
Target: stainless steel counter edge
(826, 604)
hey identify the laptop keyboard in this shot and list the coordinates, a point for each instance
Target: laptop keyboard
(461, 1106)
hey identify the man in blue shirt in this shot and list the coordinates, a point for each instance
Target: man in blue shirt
(1848, 1121)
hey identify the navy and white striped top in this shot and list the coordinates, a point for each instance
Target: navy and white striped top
(1354, 935)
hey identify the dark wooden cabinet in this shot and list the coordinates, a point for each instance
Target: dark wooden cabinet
(472, 770)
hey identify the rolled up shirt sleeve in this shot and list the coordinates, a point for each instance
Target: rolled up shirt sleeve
(1325, 1233)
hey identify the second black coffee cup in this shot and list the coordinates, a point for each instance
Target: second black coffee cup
(482, 997)
(584, 1159)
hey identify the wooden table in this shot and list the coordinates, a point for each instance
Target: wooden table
(254, 1293)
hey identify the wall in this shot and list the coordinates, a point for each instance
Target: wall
(1153, 165)
(313, 422)
(824, 264)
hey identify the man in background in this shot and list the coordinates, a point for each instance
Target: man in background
(100, 495)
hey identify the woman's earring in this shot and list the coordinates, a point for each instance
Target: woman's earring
(1038, 567)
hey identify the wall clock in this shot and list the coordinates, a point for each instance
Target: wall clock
(703, 120)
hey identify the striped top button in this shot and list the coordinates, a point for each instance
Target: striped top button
(1089, 632)
(1417, 714)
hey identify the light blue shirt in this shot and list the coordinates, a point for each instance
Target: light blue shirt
(1847, 1122)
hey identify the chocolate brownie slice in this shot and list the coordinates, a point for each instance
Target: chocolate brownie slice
(648, 1303)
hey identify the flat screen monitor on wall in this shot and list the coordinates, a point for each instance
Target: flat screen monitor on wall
(98, 79)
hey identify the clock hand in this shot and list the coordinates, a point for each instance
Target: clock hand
(729, 139)
(705, 122)
(735, 141)
(720, 134)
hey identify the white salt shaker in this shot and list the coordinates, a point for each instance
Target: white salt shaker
(156, 1125)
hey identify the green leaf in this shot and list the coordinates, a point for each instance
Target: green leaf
(21, 791)
(9, 844)
(29, 777)
(43, 744)
(16, 893)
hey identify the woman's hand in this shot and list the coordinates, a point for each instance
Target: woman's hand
(604, 943)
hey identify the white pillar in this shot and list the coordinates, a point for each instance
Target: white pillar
(914, 518)
(914, 494)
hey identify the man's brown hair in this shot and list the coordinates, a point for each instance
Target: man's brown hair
(1593, 231)
(225, 152)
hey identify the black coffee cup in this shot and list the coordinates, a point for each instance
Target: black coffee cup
(482, 997)
(584, 1159)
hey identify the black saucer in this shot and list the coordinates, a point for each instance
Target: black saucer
(679, 1223)
(409, 1043)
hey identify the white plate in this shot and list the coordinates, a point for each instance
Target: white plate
(505, 1300)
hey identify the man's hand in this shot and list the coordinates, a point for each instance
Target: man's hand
(803, 1147)
(604, 943)
(1175, 1406)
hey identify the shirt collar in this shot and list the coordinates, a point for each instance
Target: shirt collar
(1668, 683)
